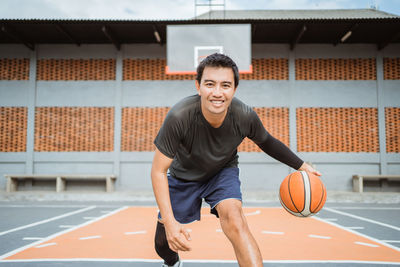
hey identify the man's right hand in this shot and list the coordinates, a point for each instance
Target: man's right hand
(177, 236)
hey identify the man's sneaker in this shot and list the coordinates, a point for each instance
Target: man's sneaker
(177, 264)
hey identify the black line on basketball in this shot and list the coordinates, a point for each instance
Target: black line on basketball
(290, 176)
(322, 197)
(304, 185)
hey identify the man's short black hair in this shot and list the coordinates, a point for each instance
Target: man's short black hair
(218, 60)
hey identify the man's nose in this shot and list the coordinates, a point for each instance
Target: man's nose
(217, 90)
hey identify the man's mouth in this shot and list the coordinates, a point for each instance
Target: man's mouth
(217, 102)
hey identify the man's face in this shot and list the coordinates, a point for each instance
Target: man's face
(216, 89)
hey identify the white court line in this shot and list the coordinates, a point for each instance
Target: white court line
(331, 219)
(320, 236)
(47, 220)
(253, 213)
(363, 219)
(355, 227)
(357, 233)
(89, 218)
(201, 261)
(103, 206)
(66, 226)
(90, 237)
(8, 254)
(366, 244)
(272, 233)
(32, 238)
(46, 245)
(136, 233)
(42, 206)
(105, 211)
(365, 208)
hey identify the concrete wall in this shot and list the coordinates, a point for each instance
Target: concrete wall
(258, 171)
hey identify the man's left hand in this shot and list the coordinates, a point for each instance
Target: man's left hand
(308, 168)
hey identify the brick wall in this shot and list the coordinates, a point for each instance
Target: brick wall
(391, 68)
(13, 126)
(154, 69)
(149, 69)
(75, 69)
(276, 121)
(268, 69)
(13, 69)
(140, 126)
(92, 129)
(336, 69)
(74, 129)
(392, 116)
(337, 130)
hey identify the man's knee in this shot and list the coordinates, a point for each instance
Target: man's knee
(231, 216)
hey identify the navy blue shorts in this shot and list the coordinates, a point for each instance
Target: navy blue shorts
(186, 196)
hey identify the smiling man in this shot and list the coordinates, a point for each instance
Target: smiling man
(196, 158)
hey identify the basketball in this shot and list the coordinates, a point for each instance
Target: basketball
(302, 194)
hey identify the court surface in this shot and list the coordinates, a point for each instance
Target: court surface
(84, 234)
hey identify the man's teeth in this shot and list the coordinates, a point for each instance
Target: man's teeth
(217, 101)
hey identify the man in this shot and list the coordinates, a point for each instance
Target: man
(198, 143)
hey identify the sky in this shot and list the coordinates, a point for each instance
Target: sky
(164, 9)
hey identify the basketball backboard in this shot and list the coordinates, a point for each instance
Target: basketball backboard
(187, 45)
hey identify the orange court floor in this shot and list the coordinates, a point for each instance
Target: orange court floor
(127, 234)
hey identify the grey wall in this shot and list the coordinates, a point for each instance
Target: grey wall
(258, 171)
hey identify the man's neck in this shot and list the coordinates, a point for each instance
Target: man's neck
(215, 120)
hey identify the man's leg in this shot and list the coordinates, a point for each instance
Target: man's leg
(235, 227)
(186, 205)
(169, 256)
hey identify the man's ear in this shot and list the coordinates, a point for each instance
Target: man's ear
(197, 87)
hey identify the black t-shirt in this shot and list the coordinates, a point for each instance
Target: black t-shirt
(199, 151)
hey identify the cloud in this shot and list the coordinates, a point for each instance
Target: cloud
(97, 9)
(11, 9)
(287, 4)
(129, 11)
(160, 9)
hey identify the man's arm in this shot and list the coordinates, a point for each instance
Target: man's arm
(281, 152)
(177, 235)
(274, 147)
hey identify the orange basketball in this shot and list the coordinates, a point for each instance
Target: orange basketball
(302, 194)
